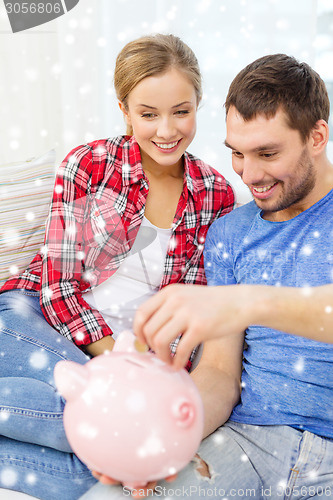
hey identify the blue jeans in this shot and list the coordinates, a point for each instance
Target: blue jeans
(236, 462)
(35, 456)
(248, 462)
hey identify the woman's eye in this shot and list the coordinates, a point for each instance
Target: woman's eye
(182, 112)
(147, 115)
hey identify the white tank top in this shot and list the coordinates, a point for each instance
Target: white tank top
(136, 279)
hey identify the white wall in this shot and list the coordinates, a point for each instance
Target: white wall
(56, 80)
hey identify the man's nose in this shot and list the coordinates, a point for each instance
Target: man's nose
(251, 172)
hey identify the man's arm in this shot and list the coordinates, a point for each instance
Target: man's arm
(217, 377)
(205, 313)
(306, 312)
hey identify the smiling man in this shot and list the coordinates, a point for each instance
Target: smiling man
(269, 264)
(277, 137)
(279, 174)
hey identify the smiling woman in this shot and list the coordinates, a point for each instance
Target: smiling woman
(129, 216)
(161, 111)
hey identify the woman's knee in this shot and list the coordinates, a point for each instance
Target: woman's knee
(29, 346)
(42, 472)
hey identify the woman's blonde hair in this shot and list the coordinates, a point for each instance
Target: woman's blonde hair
(150, 56)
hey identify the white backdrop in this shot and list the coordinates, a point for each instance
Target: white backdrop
(56, 80)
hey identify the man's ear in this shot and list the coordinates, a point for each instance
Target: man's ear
(319, 137)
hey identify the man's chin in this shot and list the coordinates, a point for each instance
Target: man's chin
(266, 206)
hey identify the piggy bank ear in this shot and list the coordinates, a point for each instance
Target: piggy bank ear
(125, 342)
(184, 412)
(70, 378)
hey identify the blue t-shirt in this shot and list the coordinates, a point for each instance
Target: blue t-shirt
(287, 379)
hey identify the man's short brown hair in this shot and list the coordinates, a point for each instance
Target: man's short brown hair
(276, 81)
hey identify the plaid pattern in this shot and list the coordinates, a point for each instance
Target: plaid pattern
(96, 211)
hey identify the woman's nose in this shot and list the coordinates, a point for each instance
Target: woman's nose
(166, 129)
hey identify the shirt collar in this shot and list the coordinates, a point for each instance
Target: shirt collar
(132, 171)
(189, 175)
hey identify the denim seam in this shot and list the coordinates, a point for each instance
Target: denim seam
(23, 291)
(7, 459)
(19, 336)
(303, 453)
(318, 463)
(31, 413)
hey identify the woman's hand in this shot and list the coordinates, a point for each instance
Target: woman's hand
(100, 346)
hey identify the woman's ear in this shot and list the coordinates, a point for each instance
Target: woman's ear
(122, 107)
(319, 137)
(124, 110)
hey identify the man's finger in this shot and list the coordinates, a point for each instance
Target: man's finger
(184, 348)
(103, 478)
(144, 313)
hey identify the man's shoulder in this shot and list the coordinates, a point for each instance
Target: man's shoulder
(232, 227)
(240, 216)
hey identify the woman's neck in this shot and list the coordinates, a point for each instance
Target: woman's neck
(154, 170)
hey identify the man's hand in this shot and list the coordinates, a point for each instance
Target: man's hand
(197, 312)
(139, 491)
(202, 313)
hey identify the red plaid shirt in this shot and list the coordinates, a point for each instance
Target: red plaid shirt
(97, 208)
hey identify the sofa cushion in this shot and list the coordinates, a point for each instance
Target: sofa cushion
(25, 194)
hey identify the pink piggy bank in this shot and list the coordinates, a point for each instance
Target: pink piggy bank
(129, 415)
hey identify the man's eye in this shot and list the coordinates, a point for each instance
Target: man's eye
(268, 155)
(237, 154)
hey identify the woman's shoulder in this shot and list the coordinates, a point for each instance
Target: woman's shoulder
(200, 169)
(110, 148)
(206, 179)
(99, 148)
(99, 154)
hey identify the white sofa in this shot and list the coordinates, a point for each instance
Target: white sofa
(25, 193)
(14, 495)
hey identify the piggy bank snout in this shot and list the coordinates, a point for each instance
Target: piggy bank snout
(184, 412)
